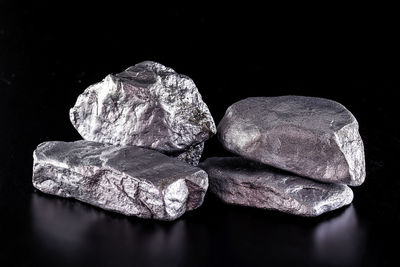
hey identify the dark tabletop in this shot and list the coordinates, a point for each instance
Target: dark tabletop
(50, 52)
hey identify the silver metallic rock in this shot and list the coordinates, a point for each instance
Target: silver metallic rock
(147, 105)
(236, 180)
(129, 180)
(309, 136)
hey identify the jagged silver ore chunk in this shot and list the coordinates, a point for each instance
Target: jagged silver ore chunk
(126, 179)
(309, 136)
(239, 181)
(147, 105)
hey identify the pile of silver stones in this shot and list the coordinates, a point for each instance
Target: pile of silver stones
(143, 135)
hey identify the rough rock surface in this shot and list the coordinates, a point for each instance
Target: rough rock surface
(239, 181)
(192, 155)
(309, 136)
(129, 180)
(147, 105)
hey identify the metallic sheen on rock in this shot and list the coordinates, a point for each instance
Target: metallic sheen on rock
(238, 181)
(309, 136)
(147, 105)
(129, 180)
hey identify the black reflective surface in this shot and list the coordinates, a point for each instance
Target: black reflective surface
(49, 53)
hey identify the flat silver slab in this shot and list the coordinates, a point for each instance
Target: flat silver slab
(238, 181)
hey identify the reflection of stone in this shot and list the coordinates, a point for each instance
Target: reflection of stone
(67, 233)
(239, 181)
(62, 223)
(312, 137)
(130, 180)
(340, 240)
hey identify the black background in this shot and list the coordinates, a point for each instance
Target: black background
(50, 52)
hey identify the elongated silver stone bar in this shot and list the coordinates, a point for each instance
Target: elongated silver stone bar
(147, 105)
(130, 180)
(236, 180)
(309, 136)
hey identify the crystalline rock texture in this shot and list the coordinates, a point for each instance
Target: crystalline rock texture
(147, 105)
